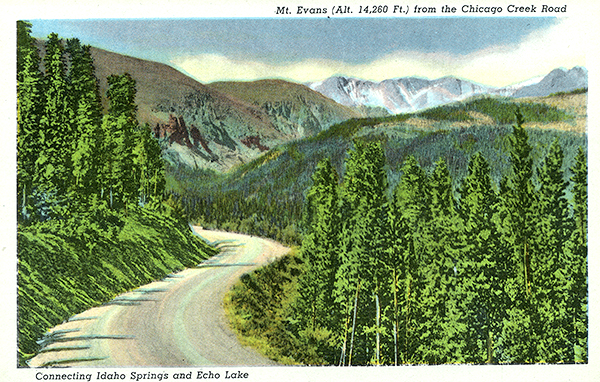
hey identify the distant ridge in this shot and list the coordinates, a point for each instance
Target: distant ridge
(409, 94)
(558, 80)
(225, 124)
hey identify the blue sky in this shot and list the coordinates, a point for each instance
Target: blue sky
(492, 51)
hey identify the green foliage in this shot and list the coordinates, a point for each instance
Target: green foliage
(150, 174)
(88, 106)
(30, 139)
(319, 250)
(500, 110)
(498, 275)
(68, 266)
(83, 236)
(258, 306)
(572, 92)
(56, 124)
(122, 179)
(483, 266)
(576, 255)
(446, 113)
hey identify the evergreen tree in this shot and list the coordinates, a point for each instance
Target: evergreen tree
(411, 216)
(576, 259)
(548, 267)
(30, 106)
(315, 307)
(484, 270)
(87, 103)
(150, 167)
(441, 331)
(519, 220)
(54, 161)
(119, 186)
(363, 269)
(25, 44)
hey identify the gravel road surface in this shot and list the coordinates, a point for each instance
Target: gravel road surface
(178, 321)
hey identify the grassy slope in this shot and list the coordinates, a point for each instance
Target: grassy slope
(68, 266)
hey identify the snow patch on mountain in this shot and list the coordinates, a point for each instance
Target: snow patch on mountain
(409, 94)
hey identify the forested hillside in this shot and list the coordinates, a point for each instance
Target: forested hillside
(92, 220)
(484, 272)
(266, 196)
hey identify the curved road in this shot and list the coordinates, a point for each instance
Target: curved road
(178, 321)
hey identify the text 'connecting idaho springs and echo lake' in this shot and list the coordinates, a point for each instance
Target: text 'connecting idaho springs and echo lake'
(141, 376)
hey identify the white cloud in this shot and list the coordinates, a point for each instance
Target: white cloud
(562, 45)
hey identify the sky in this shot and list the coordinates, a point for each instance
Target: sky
(491, 51)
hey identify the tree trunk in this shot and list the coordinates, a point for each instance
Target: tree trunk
(343, 354)
(395, 319)
(407, 323)
(489, 347)
(526, 270)
(378, 319)
(353, 324)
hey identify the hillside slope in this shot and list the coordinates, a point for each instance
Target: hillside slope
(219, 126)
(266, 195)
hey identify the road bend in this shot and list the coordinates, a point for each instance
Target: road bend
(178, 321)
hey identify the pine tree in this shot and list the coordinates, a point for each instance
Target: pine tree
(362, 270)
(520, 218)
(54, 161)
(483, 272)
(119, 186)
(549, 282)
(29, 112)
(88, 119)
(319, 253)
(149, 166)
(25, 44)
(411, 215)
(576, 259)
(441, 331)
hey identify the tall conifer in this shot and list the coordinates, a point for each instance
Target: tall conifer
(412, 215)
(362, 271)
(150, 167)
(120, 188)
(519, 203)
(576, 257)
(548, 267)
(483, 272)
(57, 128)
(320, 254)
(441, 332)
(30, 106)
(86, 101)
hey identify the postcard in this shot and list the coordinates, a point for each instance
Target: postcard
(300, 191)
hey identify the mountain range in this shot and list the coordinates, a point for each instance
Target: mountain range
(410, 94)
(224, 124)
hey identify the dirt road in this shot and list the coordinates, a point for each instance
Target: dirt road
(178, 321)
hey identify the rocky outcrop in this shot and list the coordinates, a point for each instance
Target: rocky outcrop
(254, 142)
(176, 131)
